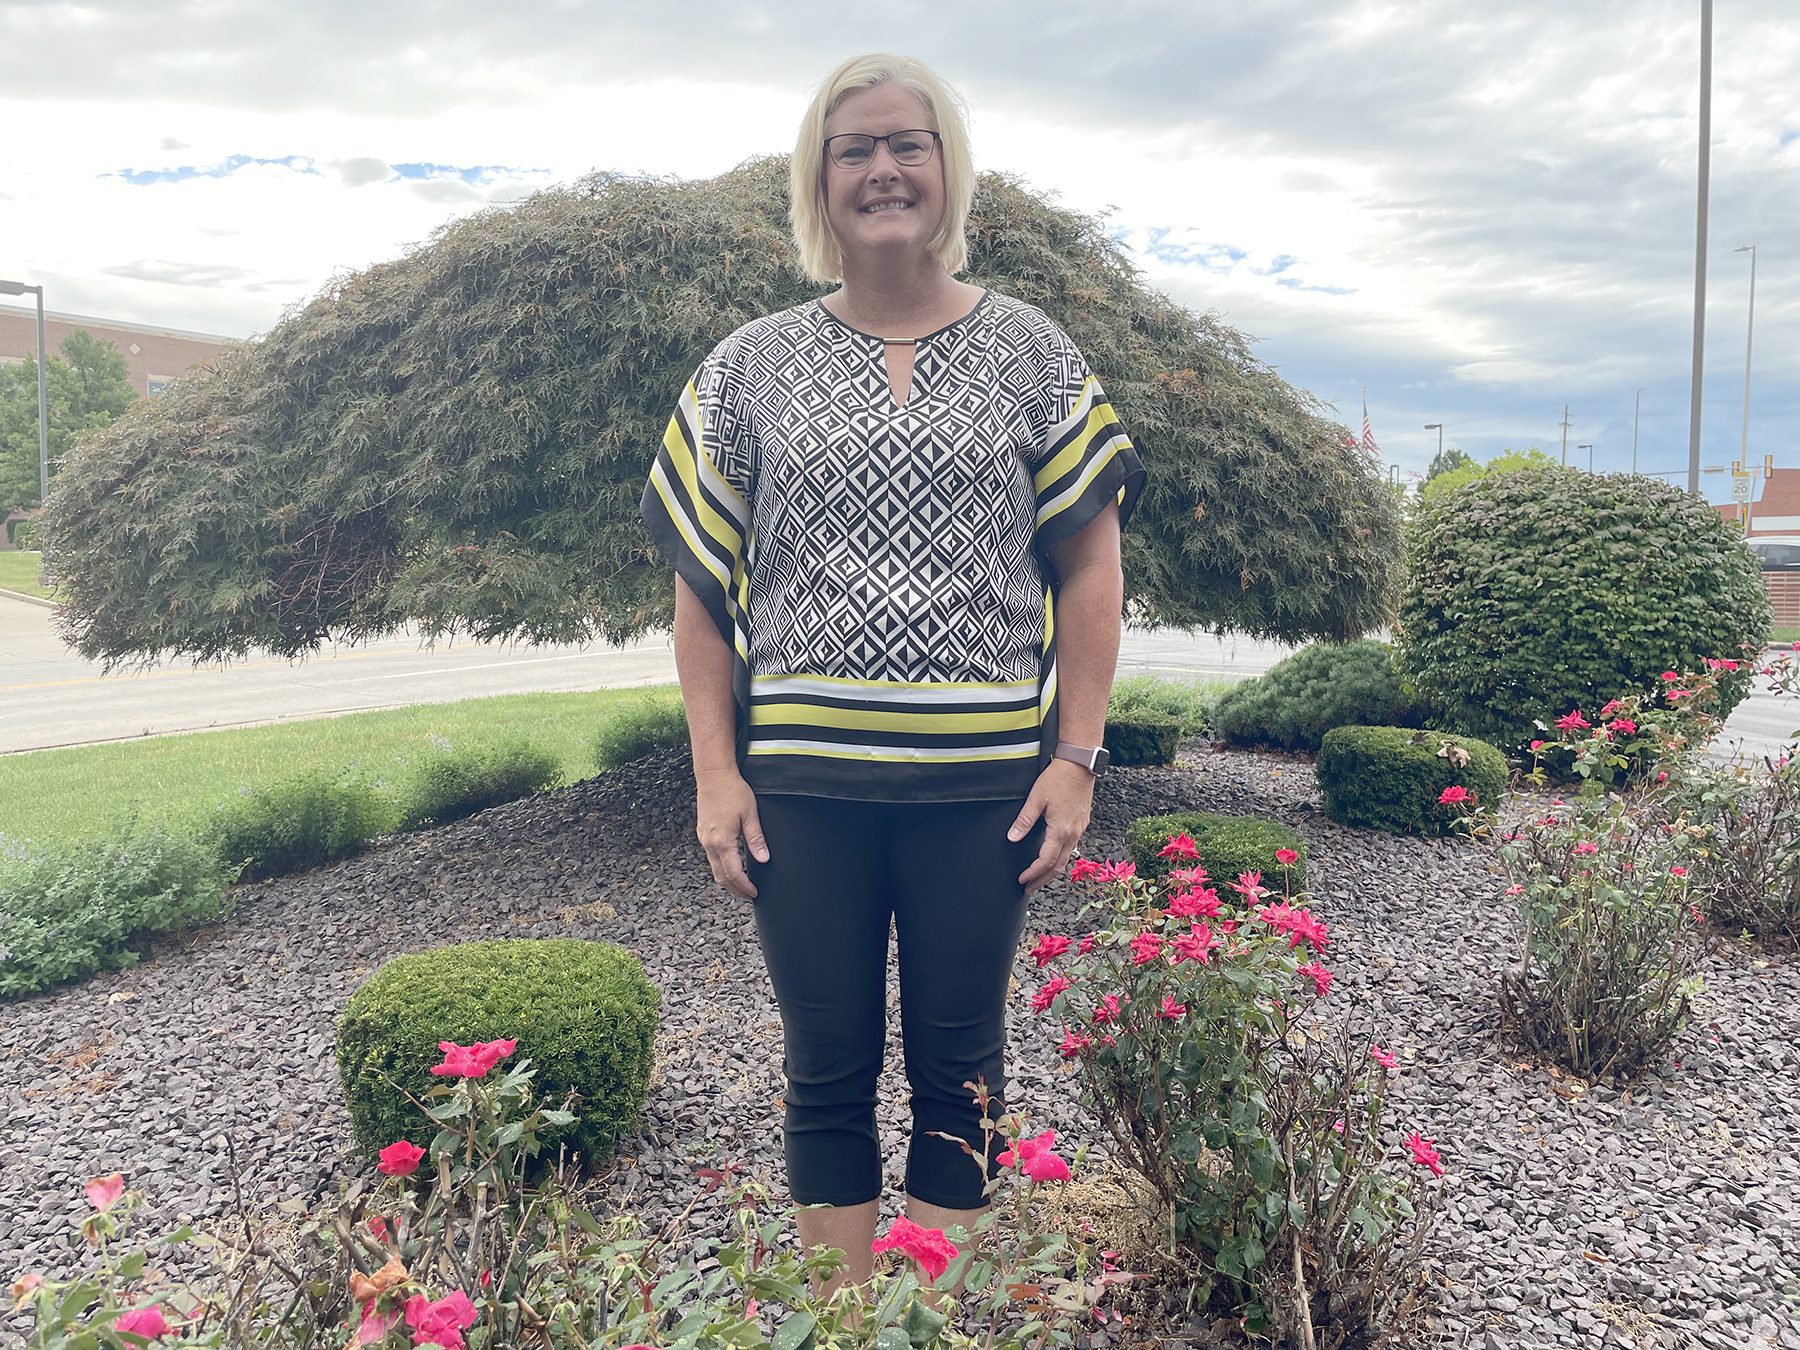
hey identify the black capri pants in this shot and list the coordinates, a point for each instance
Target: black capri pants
(946, 876)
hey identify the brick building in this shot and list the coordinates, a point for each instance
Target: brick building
(153, 355)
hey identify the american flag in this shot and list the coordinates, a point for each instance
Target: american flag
(1368, 437)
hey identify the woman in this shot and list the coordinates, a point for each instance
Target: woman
(894, 515)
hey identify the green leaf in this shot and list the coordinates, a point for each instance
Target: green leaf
(923, 1325)
(796, 1333)
(892, 1338)
(132, 1266)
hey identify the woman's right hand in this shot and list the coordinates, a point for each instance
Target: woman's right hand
(725, 808)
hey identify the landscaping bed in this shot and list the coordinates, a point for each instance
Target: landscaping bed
(1662, 1213)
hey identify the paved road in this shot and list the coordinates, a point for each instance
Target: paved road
(51, 697)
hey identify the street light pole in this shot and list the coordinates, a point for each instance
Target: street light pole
(1590, 449)
(1749, 337)
(1637, 405)
(1439, 428)
(20, 288)
(1699, 379)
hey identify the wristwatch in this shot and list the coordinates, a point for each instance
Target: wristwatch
(1093, 760)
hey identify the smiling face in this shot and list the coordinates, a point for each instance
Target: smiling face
(883, 208)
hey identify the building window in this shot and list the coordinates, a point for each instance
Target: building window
(155, 384)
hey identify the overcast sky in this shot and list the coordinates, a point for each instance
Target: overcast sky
(1480, 211)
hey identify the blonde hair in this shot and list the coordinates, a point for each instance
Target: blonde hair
(813, 235)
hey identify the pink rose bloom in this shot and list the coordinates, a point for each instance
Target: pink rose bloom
(1181, 847)
(1249, 885)
(1424, 1154)
(441, 1323)
(1573, 721)
(1515, 889)
(471, 1061)
(1087, 945)
(146, 1322)
(1108, 1011)
(1049, 947)
(1194, 904)
(1587, 846)
(374, 1327)
(1083, 869)
(1678, 871)
(1194, 945)
(1453, 794)
(1036, 1160)
(1188, 876)
(1320, 977)
(103, 1192)
(1171, 1010)
(1073, 1044)
(1670, 675)
(1612, 706)
(1116, 872)
(1145, 948)
(1536, 746)
(1381, 1057)
(399, 1159)
(1622, 726)
(1307, 929)
(1041, 1001)
(1286, 857)
(927, 1246)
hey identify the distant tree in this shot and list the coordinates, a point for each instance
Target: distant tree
(87, 388)
(458, 438)
(1507, 461)
(1446, 461)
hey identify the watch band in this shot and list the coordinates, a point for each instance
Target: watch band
(1092, 758)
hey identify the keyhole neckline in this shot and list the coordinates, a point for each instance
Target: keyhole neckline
(974, 309)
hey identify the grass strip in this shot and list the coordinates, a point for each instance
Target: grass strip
(19, 572)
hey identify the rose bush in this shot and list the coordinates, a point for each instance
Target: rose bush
(1192, 1015)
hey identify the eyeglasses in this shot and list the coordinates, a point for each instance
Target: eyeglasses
(853, 150)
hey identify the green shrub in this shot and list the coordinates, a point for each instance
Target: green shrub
(1325, 685)
(1142, 738)
(68, 913)
(584, 1013)
(298, 823)
(1189, 702)
(1228, 845)
(638, 729)
(1391, 778)
(453, 784)
(1530, 594)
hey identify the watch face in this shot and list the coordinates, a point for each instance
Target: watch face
(1101, 759)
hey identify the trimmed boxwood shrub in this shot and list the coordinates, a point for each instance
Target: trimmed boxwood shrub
(1143, 738)
(298, 823)
(1325, 685)
(1530, 594)
(1227, 845)
(584, 1013)
(1391, 777)
(455, 784)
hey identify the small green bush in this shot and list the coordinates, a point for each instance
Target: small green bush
(1143, 738)
(1391, 777)
(298, 823)
(1529, 594)
(1228, 845)
(584, 1013)
(638, 729)
(68, 913)
(1188, 701)
(1325, 685)
(453, 784)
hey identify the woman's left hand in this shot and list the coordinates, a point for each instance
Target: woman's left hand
(1064, 796)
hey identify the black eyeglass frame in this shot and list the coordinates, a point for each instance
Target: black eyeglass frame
(936, 140)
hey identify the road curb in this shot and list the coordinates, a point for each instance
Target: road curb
(28, 599)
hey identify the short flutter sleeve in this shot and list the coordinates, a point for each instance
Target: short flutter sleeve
(697, 503)
(1086, 460)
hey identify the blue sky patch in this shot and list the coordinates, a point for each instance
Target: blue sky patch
(224, 169)
(478, 175)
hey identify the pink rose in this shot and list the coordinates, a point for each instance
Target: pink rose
(399, 1159)
(1049, 947)
(1453, 794)
(146, 1322)
(1083, 869)
(471, 1061)
(1194, 945)
(1073, 1044)
(374, 1326)
(1181, 847)
(1320, 977)
(1041, 1001)
(1573, 721)
(441, 1323)
(1424, 1154)
(103, 1192)
(1286, 857)
(1381, 1057)
(1036, 1160)
(1194, 904)
(1171, 1010)
(1145, 948)
(927, 1246)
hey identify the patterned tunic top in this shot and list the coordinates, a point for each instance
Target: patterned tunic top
(880, 570)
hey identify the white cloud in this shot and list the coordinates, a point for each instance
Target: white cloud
(176, 273)
(362, 170)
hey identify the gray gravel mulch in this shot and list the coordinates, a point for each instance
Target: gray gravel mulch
(1663, 1214)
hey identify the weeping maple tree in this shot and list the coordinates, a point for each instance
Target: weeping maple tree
(458, 438)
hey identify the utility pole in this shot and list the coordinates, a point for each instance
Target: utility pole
(1565, 442)
(1749, 338)
(1699, 380)
(1637, 406)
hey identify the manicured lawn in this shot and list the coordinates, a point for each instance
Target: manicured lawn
(52, 795)
(19, 572)
(1784, 635)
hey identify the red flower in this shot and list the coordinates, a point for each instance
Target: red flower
(928, 1246)
(440, 1323)
(1188, 876)
(379, 1226)
(1307, 929)
(1108, 1011)
(1670, 675)
(374, 1327)
(1587, 846)
(1286, 857)
(1515, 889)
(1180, 846)
(1194, 945)
(1194, 904)
(1041, 1001)
(1320, 977)
(1381, 1057)
(1049, 947)
(1170, 1008)
(1249, 885)
(1424, 1154)
(1612, 707)
(1115, 872)
(146, 1322)
(1621, 726)
(1073, 1044)
(103, 1192)
(1454, 793)
(1573, 721)
(1087, 945)
(1035, 1159)
(399, 1159)
(1083, 869)
(1145, 948)
(471, 1061)
(1536, 746)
